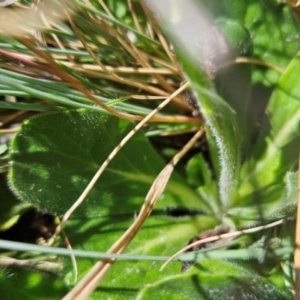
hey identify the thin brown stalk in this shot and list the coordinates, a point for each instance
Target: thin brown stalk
(73, 81)
(27, 61)
(90, 282)
(27, 72)
(160, 36)
(89, 187)
(106, 9)
(134, 16)
(85, 45)
(138, 55)
(9, 130)
(135, 53)
(47, 267)
(130, 82)
(163, 63)
(12, 117)
(253, 61)
(150, 30)
(72, 256)
(221, 236)
(59, 44)
(123, 70)
(146, 97)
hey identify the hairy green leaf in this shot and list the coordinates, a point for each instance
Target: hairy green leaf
(276, 150)
(213, 280)
(54, 156)
(25, 283)
(219, 116)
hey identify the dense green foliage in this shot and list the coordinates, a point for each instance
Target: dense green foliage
(243, 71)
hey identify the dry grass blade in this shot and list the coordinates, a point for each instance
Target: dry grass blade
(21, 21)
(124, 70)
(221, 236)
(97, 47)
(7, 2)
(139, 56)
(297, 243)
(47, 267)
(254, 61)
(134, 16)
(52, 12)
(72, 257)
(162, 39)
(75, 83)
(12, 117)
(9, 130)
(89, 283)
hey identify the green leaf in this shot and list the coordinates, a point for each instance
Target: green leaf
(54, 156)
(233, 82)
(219, 116)
(21, 283)
(10, 207)
(237, 36)
(160, 235)
(213, 280)
(198, 171)
(270, 21)
(281, 207)
(277, 147)
(234, 9)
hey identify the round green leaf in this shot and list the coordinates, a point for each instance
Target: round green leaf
(54, 157)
